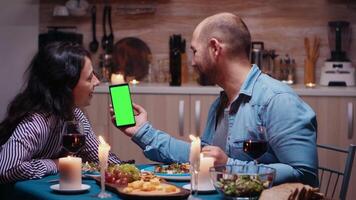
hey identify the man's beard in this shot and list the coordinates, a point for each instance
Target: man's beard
(209, 75)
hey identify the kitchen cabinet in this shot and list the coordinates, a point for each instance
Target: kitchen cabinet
(168, 112)
(337, 127)
(98, 115)
(200, 105)
(336, 121)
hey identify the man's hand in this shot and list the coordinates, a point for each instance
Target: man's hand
(140, 118)
(217, 153)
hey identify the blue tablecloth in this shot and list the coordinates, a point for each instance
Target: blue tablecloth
(40, 189)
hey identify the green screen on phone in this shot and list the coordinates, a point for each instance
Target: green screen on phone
(122, 105)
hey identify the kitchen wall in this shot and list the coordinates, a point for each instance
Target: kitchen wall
(281, 24)
(19, 27)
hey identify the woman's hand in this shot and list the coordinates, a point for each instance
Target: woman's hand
(217, 153)
(140, 118)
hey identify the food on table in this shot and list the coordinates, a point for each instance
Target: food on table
(122, 174)
(175, 168)
(90, 167)
(242, 186)
(149, 183)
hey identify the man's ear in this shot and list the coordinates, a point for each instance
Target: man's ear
(215, 47)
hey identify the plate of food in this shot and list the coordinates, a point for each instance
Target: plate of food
(175, 171)
(145, 186)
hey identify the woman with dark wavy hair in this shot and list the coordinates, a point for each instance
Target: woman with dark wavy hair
(60, 82)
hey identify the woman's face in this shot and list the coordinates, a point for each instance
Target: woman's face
(83, 91)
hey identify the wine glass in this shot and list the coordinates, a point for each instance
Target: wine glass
(73, 138)
(256, 143)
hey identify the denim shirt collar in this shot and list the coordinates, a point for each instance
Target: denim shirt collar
(250, 81)
(245, 92)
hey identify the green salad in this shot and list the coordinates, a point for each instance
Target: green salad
(241, 186)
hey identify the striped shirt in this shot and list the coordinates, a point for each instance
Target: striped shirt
(36, 141)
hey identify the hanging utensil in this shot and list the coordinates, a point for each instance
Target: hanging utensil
(111, 35)
(104, 40)
(93, 45)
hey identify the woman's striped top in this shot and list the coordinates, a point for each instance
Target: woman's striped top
(36, 141)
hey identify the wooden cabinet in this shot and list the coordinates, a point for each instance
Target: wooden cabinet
(98, 114)
(169, 113)
(336, 119)
(199, 108)
(337, 127)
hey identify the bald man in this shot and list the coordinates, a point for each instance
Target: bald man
(251, 101)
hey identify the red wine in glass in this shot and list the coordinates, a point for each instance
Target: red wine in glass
(255, 148)
(73, 142)
(73, 138)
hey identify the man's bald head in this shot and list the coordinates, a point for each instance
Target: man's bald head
(228, 29)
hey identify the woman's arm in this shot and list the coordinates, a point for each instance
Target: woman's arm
(16, 156)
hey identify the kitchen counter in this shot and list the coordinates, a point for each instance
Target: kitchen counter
(164, 88)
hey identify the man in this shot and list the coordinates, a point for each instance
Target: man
(251, 99)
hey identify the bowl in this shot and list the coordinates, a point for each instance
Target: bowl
(77, 7)
(59, 10)
(242, 181)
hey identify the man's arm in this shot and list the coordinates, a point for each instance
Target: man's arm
(160, 146)
(156, 145)
(291, 129)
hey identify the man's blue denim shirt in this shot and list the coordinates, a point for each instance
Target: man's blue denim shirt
(262, 101)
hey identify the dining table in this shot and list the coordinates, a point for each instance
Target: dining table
(40, 189)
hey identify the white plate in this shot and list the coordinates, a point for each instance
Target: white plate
(83, 188)
(176, 177)
(201, 189)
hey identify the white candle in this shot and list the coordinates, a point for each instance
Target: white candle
(104, 149)
(195, 149)
(204, 174)
(117, 79)
(70, 171)
(310, 85)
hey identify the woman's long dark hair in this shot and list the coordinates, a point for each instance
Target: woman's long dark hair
(53, 73)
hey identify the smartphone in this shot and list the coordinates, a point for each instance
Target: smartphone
(122, 105)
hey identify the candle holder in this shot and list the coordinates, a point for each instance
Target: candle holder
(103, 194)
(103, 150)
(194, 171)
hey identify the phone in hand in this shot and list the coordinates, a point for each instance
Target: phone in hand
(122, 105)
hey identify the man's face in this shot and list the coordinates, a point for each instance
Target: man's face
(83, 91)
(201, 60)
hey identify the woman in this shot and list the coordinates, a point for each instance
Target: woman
(60, 83)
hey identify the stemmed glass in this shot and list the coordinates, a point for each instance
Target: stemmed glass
(256, 143)
(103, 151)
(73, 138)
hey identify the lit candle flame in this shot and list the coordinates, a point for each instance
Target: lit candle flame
(134, 82)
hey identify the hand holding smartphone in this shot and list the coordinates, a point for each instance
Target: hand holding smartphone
(122, 105)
